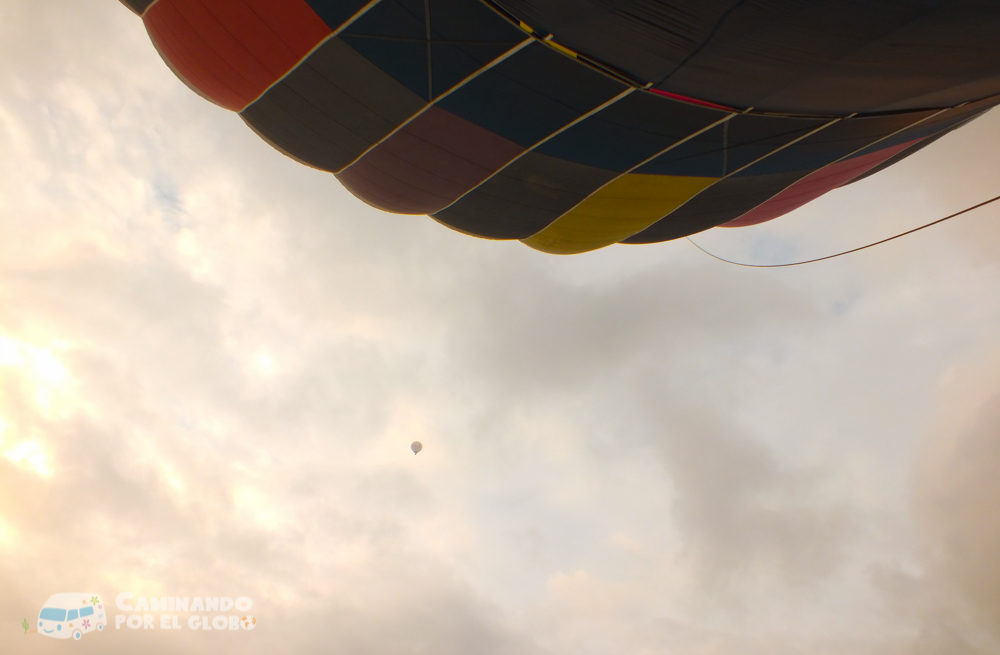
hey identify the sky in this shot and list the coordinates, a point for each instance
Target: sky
(213, 361)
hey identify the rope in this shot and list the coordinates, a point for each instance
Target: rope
(846, 252)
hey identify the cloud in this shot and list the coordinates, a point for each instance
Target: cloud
(745, 515)
(962, 504)
(956, 494)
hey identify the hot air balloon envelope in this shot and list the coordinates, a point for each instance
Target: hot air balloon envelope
(416, 447)
(573, 125)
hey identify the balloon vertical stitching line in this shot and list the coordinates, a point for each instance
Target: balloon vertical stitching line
(724, 120)
(430, 60)
(853, 153)
(701, 46)
(358, 14)
(725, 148)
(562, 129)
(510, 53)
(741, 168)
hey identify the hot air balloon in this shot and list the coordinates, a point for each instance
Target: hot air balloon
(416, 447)
(575, 124)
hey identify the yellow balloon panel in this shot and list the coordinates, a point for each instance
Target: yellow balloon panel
(625, 206)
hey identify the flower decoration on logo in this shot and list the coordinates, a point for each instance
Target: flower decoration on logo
(86, 623)
(94, 600)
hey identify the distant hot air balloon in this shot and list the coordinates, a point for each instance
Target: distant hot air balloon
(416, 447)
(575, 124)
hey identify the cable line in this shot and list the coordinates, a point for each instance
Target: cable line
(846, 252)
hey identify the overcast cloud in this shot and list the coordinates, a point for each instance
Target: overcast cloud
(213, 361)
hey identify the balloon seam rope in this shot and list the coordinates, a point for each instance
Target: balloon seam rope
(721, 121)
(509, 17)
(854, 152)
(335, 33)
(704, 42)
(626, 78)
(852, 250)
(520, 46)
(579, 119)
(740, 169)
(547, 39)
(791, 143)
(148, 7)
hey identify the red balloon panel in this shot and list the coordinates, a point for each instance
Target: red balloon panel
(231, 51)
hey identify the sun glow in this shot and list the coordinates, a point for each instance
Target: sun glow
(6, 534)
(40, 372)
(37, 375)
(30, 454)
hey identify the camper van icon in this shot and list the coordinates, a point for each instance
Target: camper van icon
(71, 615)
